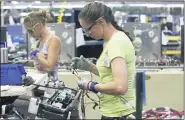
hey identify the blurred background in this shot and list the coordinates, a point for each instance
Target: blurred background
(157, 24)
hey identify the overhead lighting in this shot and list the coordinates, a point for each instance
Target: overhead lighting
(13, 7)
(44, 7)
(175, 5)
(114, 5)
(155, 5)
(145, 5)
(65, 14)
(24, 14)
(68, 6)
(81, 5)
(6, 7)
(37, 2)
(30, 5)
(15, 2)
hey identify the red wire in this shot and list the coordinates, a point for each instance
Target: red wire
(161, 114)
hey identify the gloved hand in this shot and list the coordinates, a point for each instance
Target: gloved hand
(81, 63)
(86, 84)
(34, 52)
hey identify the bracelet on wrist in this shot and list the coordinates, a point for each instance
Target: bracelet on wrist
(92, 87)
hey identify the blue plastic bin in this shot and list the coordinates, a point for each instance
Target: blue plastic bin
(11, 74)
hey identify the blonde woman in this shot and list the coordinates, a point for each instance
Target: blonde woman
(47, 53)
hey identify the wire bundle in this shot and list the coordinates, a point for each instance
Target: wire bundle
(161, 113)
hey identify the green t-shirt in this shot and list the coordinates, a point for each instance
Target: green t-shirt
(118, 46)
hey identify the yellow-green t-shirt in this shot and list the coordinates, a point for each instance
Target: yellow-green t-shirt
(118, 46)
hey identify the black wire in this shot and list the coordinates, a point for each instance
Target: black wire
(99, 100)
(91, 98)
(93, 101)
(122, 98)
(83, 105)
(88, 103)
(25, 62)
(16, 112)
(54, 87)
(91, 75)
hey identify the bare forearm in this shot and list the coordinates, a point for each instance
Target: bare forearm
(94, 70)
(43, 63)
(110, 88)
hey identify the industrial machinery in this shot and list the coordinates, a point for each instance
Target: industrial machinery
(9, 93)
(58, 102)
(62, 105)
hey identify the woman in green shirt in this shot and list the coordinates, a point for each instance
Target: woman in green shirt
(115, 66)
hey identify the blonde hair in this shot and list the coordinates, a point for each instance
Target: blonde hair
(42, 16)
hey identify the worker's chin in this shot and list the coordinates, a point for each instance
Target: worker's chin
(36, 38)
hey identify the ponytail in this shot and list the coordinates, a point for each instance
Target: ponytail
(136, 43)
(114, 23)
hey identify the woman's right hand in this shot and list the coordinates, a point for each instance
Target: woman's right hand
(81, 63)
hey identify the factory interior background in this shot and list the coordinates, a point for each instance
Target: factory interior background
(158, 26)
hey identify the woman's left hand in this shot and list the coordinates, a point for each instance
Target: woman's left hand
(83, 83)
(86, 84)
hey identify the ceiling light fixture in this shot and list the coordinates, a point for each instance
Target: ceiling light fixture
(14, 2)
(37, 2)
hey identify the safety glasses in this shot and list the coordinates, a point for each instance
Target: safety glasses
(87, 31)
(31, 30)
